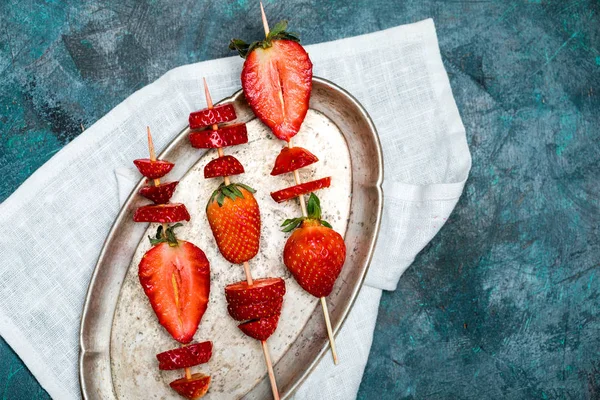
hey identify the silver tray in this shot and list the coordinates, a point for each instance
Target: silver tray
(365, 202)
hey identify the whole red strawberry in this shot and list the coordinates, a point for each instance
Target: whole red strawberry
(234, 218)
(314, 253)
(277, 80)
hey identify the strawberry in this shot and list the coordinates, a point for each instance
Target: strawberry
(175, 275)
(193, 388)
(303, 188)
(263, 309)
(212, 116)
(223, 137)
(261, 290)
(314, 253)
(172, 212)
(234, 218)
(291, 159)
(160, 194)
(153, 169)
(185, 357)
(260, 329)
(277, 80)
(223, 166)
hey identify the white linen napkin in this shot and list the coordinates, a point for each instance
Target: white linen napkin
(61, 215)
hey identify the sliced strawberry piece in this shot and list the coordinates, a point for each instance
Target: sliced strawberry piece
(244, 312)
(223, 166)
(185, 357)
(162, 213)
(160, 194)
(260, 329)
(223, 137)
(212, 116)
(303, 188)
(193, 388)
(176, 279)
(277, 82)
(153, 169)
(291, 159)
(267, 289)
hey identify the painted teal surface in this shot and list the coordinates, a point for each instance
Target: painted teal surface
(503, 303)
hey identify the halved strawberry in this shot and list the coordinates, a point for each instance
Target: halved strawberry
(225, 136)
(211, 116)
(185, 357)
(244, 312)
(160, 194)
(234, 219)
(162, 213)
(277, 80)
(261, 290)
(291, 159)
(223, 166)
(303, 188)
(314, 253)
(153, 169)
(176, 279)
(260, 329)
(194, 388)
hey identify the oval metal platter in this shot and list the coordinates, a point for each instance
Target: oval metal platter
(120, 335)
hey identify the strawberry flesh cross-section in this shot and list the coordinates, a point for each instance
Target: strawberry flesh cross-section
(225, 136)
(185, 357)
(223, 166)
(153, 169)
(162, 213)
(298, 190)
(291, 159)
(193, 388)
(176, 279)
(212, 116)
(160, 194)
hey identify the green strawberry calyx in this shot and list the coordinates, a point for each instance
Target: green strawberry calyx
(277, 33)
(232, 191)
(313, 208)
(165, 235)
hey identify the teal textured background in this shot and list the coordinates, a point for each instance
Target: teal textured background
(503, 303)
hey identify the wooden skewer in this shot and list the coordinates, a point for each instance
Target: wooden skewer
(305, 214)
(215, 127)
(249, 279)
(188, 373)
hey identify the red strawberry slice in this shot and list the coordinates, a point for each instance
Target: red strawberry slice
(194, 388)
(162, 213)
(160, 194)
(185, 357)
(303, 188)
(176, 279)
(223, 166)
(315, 254)
(212, 116)
(153, 169)
(291, 159)
(223, 137)
(260, 329)
(277, 81)
(267, 289)
(243, 312)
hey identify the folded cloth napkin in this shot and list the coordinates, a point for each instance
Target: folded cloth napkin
(63, 212)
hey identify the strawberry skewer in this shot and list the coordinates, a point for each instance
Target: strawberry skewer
(305, 214)
(249, 280)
